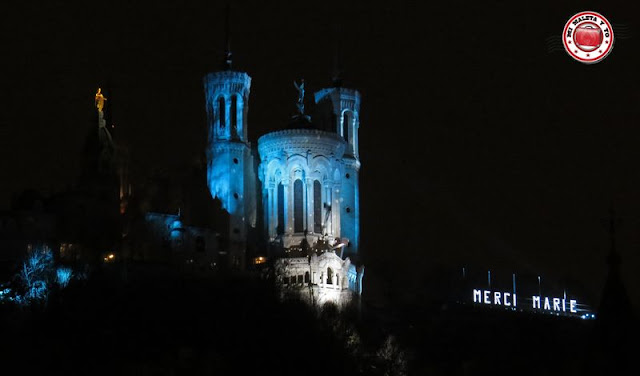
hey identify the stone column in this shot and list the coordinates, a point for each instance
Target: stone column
(288, 206)
(101, 122)
(327, 199)
(304, 203)
(335, 209)
(227, 117)
(266, 208)
(240, 116)
(356, 122)
(310, 212)
(272, 213)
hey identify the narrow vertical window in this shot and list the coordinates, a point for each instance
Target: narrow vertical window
(280, 227)
(234, 114)
(221, 111)
(346, 123)
(317, 207)
(298, 207)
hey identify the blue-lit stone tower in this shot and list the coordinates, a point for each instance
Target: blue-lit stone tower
(308, 187)
(338, 111)
(230, 167)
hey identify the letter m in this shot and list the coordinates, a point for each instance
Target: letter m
(477, 296)
(536, 302)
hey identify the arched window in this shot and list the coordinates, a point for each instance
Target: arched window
(306, 277)
(234, 114)
(346, 123)
(329, 276)
(298, 206)
(280, 219)
(221, 111)
(317, 207)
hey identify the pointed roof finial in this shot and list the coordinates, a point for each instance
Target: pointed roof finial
(336, 76)
(226, 64)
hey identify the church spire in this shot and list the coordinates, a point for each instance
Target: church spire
(226, 64)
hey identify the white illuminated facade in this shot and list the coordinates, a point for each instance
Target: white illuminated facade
(306, 181)
(318, 279)
(301, 174)
(309, 175)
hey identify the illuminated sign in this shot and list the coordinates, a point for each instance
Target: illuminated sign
(529, 295)
(508, 299)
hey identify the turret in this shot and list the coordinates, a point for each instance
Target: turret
(230, 166)
(338, 110)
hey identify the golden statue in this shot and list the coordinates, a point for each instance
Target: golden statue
(100, 100)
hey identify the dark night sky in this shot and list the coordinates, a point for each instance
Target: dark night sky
(481, 144)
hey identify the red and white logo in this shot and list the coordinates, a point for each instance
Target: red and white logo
(588, 37)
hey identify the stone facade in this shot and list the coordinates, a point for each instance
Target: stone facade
(301, 171)
(305, 183)
(230, 169)
(319, 278)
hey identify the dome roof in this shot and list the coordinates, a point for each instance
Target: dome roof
(301, 141)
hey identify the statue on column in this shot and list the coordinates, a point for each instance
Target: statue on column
(300, 89)
(100, 100)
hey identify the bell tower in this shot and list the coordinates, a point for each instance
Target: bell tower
(339, 112)
(229, 160)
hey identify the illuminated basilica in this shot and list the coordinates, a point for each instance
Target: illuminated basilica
(297, 189)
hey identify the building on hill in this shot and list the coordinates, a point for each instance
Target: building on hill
(297, 188)
(82, 222)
